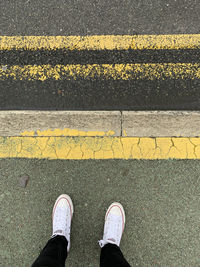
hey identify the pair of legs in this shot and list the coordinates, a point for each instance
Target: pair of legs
(56, 250)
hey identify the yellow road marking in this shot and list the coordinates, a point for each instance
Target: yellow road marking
(150, 71)
(67, 132)
(80, 148)
(99, 42)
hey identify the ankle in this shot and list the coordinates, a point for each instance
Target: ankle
(102, 243)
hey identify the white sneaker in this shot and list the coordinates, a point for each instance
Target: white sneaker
(61, 217)
(114, 225)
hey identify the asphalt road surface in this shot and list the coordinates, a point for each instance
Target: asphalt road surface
(95, 18)
(83, 17)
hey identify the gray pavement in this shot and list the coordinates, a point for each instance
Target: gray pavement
(161, 200)
(84, 17)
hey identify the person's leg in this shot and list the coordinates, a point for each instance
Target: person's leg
(55, 252)
(111, 255)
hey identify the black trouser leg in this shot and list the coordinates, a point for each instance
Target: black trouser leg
(53, 254)
(111, 256)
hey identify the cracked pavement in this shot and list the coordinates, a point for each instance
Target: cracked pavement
(107, 147)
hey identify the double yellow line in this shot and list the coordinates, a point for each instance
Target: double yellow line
(149, 71)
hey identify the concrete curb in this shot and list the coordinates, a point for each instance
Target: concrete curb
(161, 123)
(60, 123)
(79, 135)
(100, 123)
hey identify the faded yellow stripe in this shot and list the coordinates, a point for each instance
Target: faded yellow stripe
(100, 42)
(148, 71)
(66, 132)
(80, 148)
